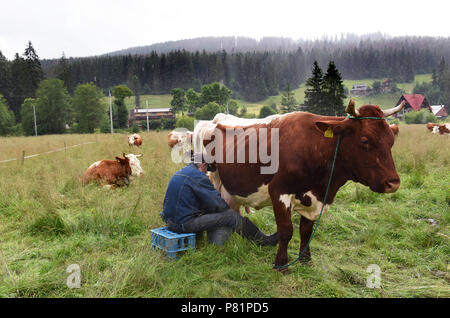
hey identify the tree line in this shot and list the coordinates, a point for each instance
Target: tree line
(252, 75)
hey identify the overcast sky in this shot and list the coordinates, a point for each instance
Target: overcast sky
(91, 27)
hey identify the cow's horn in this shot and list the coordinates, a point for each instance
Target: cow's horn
(351, 108)
(396, 109)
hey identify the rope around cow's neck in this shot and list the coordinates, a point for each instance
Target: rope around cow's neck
(281, 267)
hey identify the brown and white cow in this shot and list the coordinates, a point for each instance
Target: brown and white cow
(306, 146)
(134, 140)
(394, 128)
(430, 126)
(441, 129)
(112, 173)
(135, 164)
(179, 137)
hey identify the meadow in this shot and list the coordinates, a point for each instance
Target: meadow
(49, 221)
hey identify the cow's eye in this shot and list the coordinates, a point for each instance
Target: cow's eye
(364, 140)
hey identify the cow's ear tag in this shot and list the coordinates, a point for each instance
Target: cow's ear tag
(328, 133)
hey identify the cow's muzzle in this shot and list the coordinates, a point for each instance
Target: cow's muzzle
(391, 186)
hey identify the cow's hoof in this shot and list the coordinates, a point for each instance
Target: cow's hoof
(283, 270)
(306, 261)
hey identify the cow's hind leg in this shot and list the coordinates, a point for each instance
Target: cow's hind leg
(284, 229)
(306, 228)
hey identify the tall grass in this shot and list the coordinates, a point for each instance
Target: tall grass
(49, 221)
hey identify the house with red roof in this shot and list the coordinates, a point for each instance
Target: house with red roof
(414, 102)
(439, 111)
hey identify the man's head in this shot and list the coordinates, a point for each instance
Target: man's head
(203, 166)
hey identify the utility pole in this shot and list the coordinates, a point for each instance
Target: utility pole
(35, 125)
(110, 112)
(146, 102)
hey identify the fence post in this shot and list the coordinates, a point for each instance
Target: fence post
(23, 157)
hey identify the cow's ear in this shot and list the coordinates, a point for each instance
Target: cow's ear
(329, 128)
(120, 159)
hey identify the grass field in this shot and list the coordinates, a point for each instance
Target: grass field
(48, 221)
(383, 100)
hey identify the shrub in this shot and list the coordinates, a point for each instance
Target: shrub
(208, 111)
(185, 122)
(266, 111)
(422, 116)
(168, 123)
(154, 124)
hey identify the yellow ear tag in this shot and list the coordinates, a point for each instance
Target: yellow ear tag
(328, 133)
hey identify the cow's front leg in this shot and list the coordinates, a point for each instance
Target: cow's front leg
(306, 228)
(284, 229)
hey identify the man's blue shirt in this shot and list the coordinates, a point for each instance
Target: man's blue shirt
(190, 193)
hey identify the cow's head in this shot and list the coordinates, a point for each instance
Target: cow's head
(124, 165)
(366, 144)
(135, 164)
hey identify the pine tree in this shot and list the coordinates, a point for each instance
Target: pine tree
(32, 71)
(63, 72)
(288, 102)
(333, 92)
(313, 93)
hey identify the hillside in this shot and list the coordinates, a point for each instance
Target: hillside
(383, 100)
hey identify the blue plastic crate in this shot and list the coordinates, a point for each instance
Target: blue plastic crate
(172, 242)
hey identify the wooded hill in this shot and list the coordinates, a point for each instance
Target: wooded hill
(254, 74)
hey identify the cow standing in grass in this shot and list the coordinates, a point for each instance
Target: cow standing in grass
(111, 173)
(306, 146)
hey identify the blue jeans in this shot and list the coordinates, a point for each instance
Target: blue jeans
(211, 221)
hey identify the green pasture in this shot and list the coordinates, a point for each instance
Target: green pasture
(48, 221)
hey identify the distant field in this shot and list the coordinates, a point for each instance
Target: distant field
(49, 221)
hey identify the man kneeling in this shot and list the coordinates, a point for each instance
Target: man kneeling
(193, 205)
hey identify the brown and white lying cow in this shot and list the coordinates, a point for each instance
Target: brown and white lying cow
(430, 126)
(306, 146)
(112, 173)
(441, 129)
(134, 140)
(394, 128)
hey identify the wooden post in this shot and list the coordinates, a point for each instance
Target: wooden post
(23, 157)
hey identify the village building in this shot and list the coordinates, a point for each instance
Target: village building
(439, 111)
(414, 102)
(139, 116)
(360, 89)
(386, 85)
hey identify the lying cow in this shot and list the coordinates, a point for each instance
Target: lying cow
(306, 147)
(134, 140)
(112, 173)
(394, 128)
(430, 126)
(441, 129)
(135, 164)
